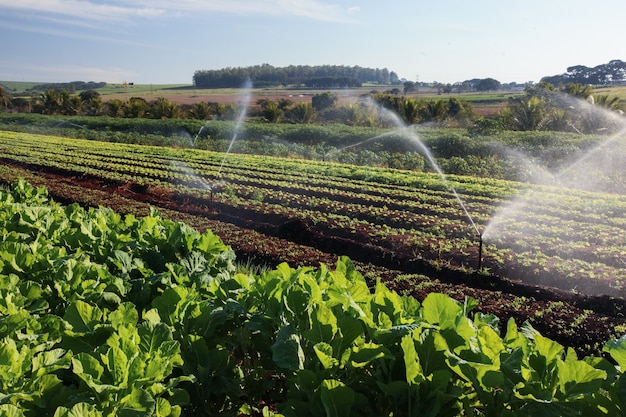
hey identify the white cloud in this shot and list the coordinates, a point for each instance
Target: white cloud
(126, 10)
(81, 9)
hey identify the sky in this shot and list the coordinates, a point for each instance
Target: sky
(167, 41)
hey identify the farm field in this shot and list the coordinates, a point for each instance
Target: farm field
(558, 264)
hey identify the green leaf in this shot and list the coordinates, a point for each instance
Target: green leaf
(153, 336)
(617, 349)
(324, 353)
(118, 365)
(414, 372)
(83, 317)
(337, 398)
(10, 410)
(171, 303)
(163, 407)
(13, 362)
(441, 309)
(323, 324)
(89, 370)
(578, 377)
(287, 351)
(349, 329)
(307, 379)
(137, 400)
(490, 343)
(366, 353)
(50, 361)
(125, 314)
(78, 410)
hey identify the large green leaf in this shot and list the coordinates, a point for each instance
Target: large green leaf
(577, 377)
(441, 309)
(323, 324)
(90, 370)
(324, 353)
(617, 349)
(337, 398)
(10, 410)
(78, 410)
(414, 372)
(82, 316)
(287, 351)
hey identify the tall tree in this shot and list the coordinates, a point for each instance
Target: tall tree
(488, 84)
(323, 101)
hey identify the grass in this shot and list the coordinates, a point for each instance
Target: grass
(18, 87)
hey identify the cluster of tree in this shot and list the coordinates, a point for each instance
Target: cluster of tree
(267, 75)
(368, 112)
(573, 108)
(613, 72)
(71, 86)
(415, 111)
(321, 109)
(475, 84)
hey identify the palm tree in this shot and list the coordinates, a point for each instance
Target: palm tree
(199, 111)
(92, 102)
(162, 108)
(135, 107)
(50, 102)
(528, 113)
(72, 105)
(609, 103)
(358, 115)
(302, 113)
(409, 110)
(114, 107)
(578, 90)
(434, 111)
(270, 111)
(4, 98)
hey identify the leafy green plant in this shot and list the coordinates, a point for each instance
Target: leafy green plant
(103, 315)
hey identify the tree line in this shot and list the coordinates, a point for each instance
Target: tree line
(573, 108)
(72, 86)
(614, 72)
(325, 76)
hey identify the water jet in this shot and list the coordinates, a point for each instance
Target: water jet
(243, 110)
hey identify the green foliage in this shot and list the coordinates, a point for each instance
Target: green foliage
(102, 315)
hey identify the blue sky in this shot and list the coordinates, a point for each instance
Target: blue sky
(166, 41)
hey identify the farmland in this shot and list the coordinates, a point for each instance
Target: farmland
(406, 228)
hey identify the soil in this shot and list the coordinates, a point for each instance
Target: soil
(579, 321)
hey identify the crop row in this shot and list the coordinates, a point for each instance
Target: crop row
(549, 231)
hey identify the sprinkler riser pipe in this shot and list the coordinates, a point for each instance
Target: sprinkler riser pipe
(480, 253)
